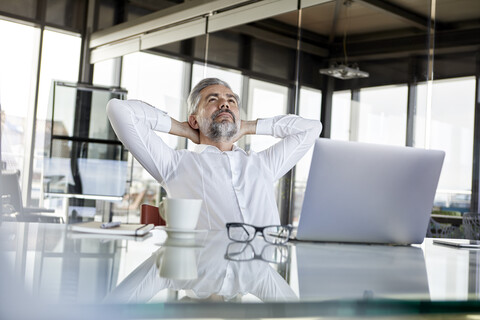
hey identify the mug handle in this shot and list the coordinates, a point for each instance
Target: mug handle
(161, 209)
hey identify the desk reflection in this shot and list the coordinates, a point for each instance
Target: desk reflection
(206, 271)
(56, 266)
(350, 271)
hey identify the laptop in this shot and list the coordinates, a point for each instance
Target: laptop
(368, 193)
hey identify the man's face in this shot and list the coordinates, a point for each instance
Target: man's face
(218, 115)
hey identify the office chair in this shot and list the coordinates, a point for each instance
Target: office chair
(471, 224)
(12, 201)
(441, 230)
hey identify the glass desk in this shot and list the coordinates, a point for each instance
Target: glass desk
(47, 271)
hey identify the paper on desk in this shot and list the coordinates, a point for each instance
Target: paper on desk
(126, 229)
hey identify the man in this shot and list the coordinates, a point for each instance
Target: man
(235, 186)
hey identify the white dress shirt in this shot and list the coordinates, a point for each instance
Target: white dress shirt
(235, 186)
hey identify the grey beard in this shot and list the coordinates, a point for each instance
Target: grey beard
(219, 131)
(222, 131)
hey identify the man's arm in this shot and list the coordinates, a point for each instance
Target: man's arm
(141, 285)
(135, 123)
(297, 134)
(246, 127)
(183, 129)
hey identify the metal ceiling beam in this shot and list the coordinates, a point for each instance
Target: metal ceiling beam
(173, 15)
(280, 40)
(408, 16)
(447, 41)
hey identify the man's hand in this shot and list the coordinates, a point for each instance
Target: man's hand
(183, 129)
(246, 127)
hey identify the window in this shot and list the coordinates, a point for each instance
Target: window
(378, 115)
(105, 72)
(450, 128)
(382, 115)
(233, 78)
(341, 111)
(60, 61)
(18, 69)
(265, 100)
(310, 103)
(158, 81)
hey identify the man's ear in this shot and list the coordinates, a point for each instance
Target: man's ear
(192, 121)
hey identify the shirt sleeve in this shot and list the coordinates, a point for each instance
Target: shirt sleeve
(297, 134)
(139, 286)
(135, 123)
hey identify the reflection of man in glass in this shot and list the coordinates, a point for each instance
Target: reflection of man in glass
(222, 275)
(234, 185)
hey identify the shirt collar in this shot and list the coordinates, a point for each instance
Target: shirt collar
(200, 148)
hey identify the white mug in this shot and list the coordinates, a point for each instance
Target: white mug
(177, 263)
(180, 213)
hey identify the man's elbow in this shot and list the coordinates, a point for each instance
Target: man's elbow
(117, 110)
(317, 128)
(112, 106)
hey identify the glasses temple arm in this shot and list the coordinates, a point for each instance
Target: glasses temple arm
(245, 230)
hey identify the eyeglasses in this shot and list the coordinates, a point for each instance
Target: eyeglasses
(243, 232)
(237, 251)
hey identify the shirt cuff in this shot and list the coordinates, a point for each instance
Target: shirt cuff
(265, 126)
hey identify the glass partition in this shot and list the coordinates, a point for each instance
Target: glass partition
(396, 72)
(449, 127)
(265, 100)
(367, 64)
(157, 80)
(83, 157)
(341, 114)
(381, 115)
(309, 106)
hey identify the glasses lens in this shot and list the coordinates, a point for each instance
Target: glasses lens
(241, 232)
(275, 254)
(240, 252)
(276, 234)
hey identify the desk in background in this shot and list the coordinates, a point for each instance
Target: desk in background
(59, 274)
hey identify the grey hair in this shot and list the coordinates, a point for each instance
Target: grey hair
(195, 96)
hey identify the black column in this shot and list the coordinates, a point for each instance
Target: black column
(476, 142)
(326, 114)
(411, 102)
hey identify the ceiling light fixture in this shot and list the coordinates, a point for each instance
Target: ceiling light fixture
(344, 70)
